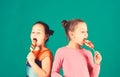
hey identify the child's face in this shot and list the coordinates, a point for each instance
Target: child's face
(38, 32)
(80, 33)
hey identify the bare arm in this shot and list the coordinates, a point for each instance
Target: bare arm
(46, 65)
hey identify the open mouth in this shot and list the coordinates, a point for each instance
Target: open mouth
(34, 41)
(84, 40)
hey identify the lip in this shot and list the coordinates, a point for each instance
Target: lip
(84, 40)
(35, 39)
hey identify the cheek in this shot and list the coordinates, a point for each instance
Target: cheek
(41, 38)
(79, 37)
(87, 35)
(31, 36)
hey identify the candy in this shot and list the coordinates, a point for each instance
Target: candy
(89, 44)
(33, 46)
(34, 42)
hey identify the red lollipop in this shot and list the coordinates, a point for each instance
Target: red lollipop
(89, 44)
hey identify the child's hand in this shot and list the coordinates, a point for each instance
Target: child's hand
(34, 48)
(30, 57)
(97, 57)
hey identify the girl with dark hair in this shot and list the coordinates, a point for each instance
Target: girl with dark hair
(39, 59)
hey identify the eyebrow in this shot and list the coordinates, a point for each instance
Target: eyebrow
(37, 29)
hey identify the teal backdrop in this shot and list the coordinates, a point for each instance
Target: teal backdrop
(18, 16)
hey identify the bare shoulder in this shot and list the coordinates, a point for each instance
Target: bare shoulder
(46, 53)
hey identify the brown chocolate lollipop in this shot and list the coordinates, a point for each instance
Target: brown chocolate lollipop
(34, 43)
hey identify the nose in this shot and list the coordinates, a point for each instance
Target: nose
(33, 35)
(86, 35)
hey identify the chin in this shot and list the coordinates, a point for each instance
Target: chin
(81, 44)
(39, 44)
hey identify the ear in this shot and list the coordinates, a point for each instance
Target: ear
(71, 34)
(47, 36)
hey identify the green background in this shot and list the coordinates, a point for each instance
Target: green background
(18, 16)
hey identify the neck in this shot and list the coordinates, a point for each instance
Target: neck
(42, 47)
(72, 44)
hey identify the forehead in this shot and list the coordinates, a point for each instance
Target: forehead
(81, 26)
(38, 27)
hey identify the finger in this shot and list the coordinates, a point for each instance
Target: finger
(32, 48)
(96, 53)
(98, 56)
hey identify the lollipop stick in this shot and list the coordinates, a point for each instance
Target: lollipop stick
(34, 43)
(34, 48)
(93, 49)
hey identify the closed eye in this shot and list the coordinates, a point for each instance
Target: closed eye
(38, 32)
(33, 32)
(84, 31)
